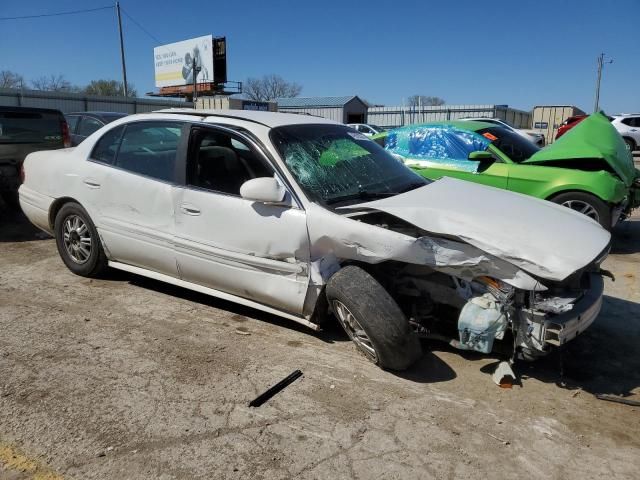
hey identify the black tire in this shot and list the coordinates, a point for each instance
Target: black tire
(96, 261)
(577, 199)
(11, 199)
(630, 143)
(395, 345)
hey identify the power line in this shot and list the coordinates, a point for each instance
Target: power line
(72, 12)
(140, 26)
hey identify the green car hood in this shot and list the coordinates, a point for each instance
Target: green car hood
(594, 137)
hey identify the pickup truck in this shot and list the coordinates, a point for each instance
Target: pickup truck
(22, 131)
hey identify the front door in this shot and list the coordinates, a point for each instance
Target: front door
(250, 249)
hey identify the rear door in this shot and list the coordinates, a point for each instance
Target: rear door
(129, 190)
(250, 249)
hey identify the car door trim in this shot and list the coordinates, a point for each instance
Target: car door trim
(236, 259)
(213, 292)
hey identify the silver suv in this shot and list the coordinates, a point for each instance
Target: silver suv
(628, 125)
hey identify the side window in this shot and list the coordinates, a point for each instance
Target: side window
(72, 121)
(89, 125)
(150, 148)
(106, 148)
(635, 122)
(221, 163)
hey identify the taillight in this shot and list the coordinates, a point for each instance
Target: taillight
(66, 137)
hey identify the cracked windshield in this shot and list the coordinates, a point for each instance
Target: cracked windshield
(334, 164)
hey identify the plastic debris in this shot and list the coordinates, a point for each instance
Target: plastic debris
(260, 399)
(503, 376)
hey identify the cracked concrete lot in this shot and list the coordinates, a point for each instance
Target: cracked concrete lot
(130, 378)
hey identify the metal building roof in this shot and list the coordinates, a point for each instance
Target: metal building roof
(315, 101)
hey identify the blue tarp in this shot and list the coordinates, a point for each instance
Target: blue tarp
(436, 146)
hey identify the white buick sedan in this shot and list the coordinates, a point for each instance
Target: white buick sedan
(306, 218)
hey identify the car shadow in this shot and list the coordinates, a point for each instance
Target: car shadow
(603, 359)
(429, 369)
(328, 334)
(625, 237)
(15, 227)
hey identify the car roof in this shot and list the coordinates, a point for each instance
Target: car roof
(99, 114)
(269, 119)
(30, 109)
(472, 125)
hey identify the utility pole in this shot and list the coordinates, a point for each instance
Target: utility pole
(124, 66)
(601, 62)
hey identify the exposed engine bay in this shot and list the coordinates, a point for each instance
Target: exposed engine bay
(473, 314)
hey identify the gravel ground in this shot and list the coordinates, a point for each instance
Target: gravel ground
(130, 378)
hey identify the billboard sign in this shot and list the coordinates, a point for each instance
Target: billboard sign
(174, 62)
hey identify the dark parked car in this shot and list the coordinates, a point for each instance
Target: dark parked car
(22, 131)
(83, 124)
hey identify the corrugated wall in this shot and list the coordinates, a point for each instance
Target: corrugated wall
(548, 118)
(336, 114)
(398, 116)
(75, 102)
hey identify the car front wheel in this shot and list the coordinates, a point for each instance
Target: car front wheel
(78, 242)
(586, 204)
(372, 319)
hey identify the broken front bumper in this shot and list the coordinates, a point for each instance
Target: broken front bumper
(564, 327)
(544, 330)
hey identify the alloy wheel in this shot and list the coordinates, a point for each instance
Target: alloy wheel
(354, 330)
(583, 207)
(77, 239)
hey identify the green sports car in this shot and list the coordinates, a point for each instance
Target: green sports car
(589, 169)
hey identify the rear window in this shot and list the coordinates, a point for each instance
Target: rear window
(30, 127)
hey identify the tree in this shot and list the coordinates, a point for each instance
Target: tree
(416, 100)
(54, 83)
(109, 88)
(270, 87)
(9, 79)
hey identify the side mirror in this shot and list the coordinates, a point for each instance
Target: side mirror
(263, 189)
(480, 156)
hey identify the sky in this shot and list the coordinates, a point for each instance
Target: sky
(520, 53)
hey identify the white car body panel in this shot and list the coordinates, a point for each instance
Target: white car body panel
(629, 131)
(541, 238)
(279, 257)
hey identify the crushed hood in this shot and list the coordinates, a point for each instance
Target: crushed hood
(540, 237)
(594, 137)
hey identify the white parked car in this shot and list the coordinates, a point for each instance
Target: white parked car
(532, 135)
(628, 125)
(366, 128)
(302, 217)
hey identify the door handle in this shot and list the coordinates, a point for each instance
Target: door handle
(89, 182)
(189, 209)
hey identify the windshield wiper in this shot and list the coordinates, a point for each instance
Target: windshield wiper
(361, 195)
(366, 195)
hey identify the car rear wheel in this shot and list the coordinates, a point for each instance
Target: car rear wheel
(78, 241)
(586, 204)
(630, 143)
(372, 319)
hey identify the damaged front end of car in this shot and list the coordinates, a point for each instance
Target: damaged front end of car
(466, 284)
